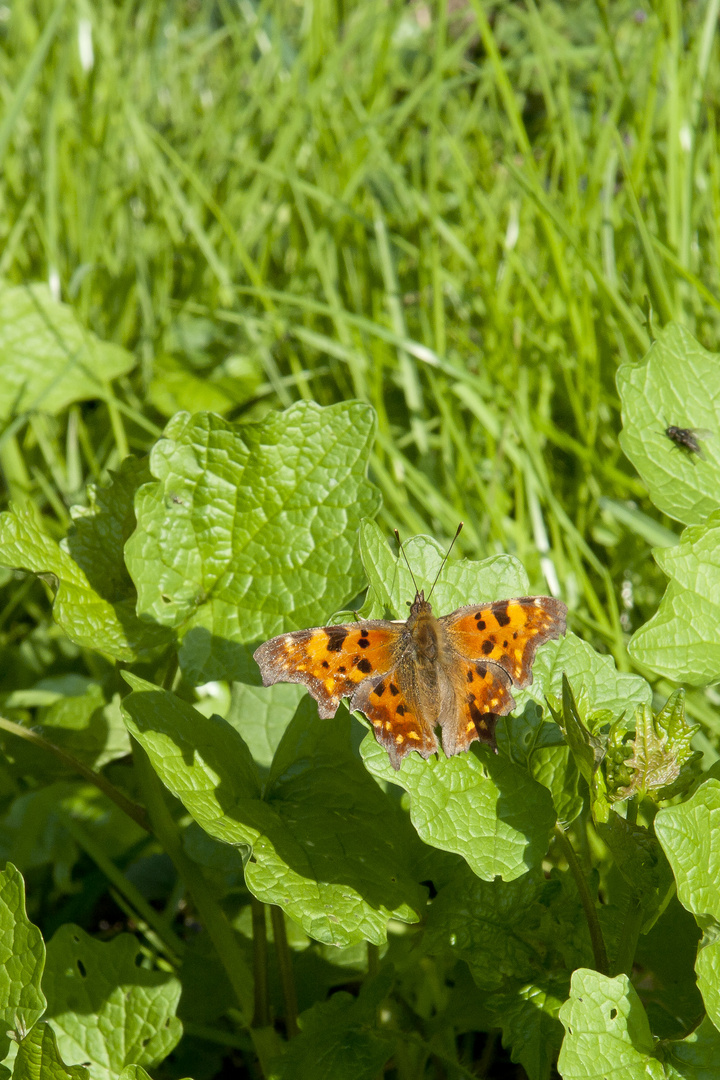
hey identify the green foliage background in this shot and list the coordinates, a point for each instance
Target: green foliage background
(465, 216)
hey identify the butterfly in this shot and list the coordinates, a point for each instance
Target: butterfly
(410, 677)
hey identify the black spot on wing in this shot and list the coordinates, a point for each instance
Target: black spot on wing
(499, 610)
(364, 665)
(481, 670)
(379, 689)
(393, 689)
(363, 643)
(488, 645)
(336, 637)
(481, 624)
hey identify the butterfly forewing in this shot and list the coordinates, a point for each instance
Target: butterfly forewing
(331, 660)
(507, 632)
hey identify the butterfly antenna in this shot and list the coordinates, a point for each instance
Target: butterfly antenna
(401, 549)
(452, 545)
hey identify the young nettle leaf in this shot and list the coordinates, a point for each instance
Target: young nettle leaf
(606, 1031)
(677, 386)
(48, 359)
(327, 845)
(342, 1038)
(104, 1008)
(682, 640)
(659, 761)
(250, 529)
(22, 957)
(38, 1058)
(94, 597)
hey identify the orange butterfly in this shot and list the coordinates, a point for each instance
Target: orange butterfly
(455, 672)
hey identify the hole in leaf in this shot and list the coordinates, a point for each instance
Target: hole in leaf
(145, 1041)
(81, 968)
(166, 599)
(613, 1014)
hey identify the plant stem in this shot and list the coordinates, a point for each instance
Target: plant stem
(211, 914)
(598, 944)
(261, 1012)
(287, 978)
(629, 935)
(137, 813)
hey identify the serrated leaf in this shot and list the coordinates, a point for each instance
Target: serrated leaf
(105, 1009)
(261, 714)
(88, 618)
(477, 804)
(662, 763)
(678, 384)
(22, 956)
(606, 1031)
(641, 861)
(38, 1058)
(250, 529)
(529, 1023)
(327, 846)
(588, 750)
(47, 359)
(682, 640)
(340, 1039)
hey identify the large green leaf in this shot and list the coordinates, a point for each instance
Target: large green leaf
(105, 1009)
(38, 1058)
(250, 529)
(688, 834)
(606, 1031)
(261, 714)
(47, 359)
(327, 845)
(696, 1057)
(677, 384)
(98, 620)
(682, 640)
(22, 956)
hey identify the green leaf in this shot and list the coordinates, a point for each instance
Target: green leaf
(687, 833)
(47, 359)
(38, 1058)
(696, 1057)
(250, 529)
(261, 714)
(539, 746)
(22, 956)
(477, 804)
(677, 384)
(87, 617)
(104, 1008)
(595, 681)
(87, 727)
(463, 581)
(327, 845)
(606, 1031)
(530, 1027)
(640, 860)
(661, 763)
(340, 1039)
(682, 640)
(587, 750)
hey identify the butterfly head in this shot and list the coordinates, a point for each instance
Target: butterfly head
(420, 606)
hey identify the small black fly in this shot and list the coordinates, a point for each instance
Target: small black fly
(686, 439)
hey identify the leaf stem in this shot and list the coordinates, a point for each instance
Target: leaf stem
(132, 809)
(287, 978)
(211, 914)
(261, 1012)
(598, 944)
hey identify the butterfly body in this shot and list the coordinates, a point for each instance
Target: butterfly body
(455, 672)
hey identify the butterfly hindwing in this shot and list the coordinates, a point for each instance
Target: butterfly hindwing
(392, 707)
(332, 661)
(482, 692)
(506, 632)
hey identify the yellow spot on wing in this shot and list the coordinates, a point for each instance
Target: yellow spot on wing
(398, 739)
